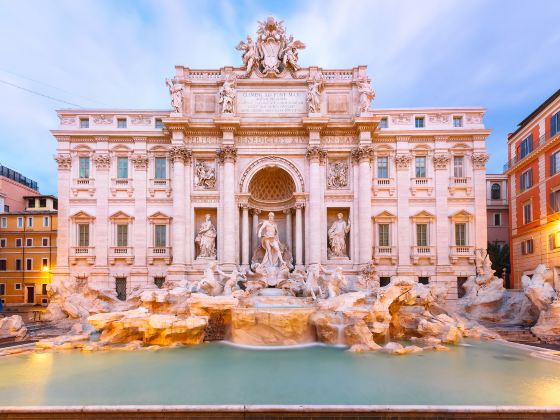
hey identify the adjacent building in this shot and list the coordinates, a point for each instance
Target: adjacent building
(28, 251)
(497, 209)
(148, 195)
(533, 172)
(13, 188)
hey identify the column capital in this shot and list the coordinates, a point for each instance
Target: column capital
(299, 206)
(402, 160)
(316, 153)
(362, 153)
(101, 160)
(441, 160)
(140, 161)
(287, 211)
(180, 153)
(244, 206)
(256, 211)
(63, 160)
(479, 160)
(227, 154)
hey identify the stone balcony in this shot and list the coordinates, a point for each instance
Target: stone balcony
(418, 253)
(457, 252)
(157, 184)
(159, 253)
(86, 253)
(385, 253)
(83, 184)
(121, 185)
(463, 183)
(383, 184)
(418, 185)
(125, 253)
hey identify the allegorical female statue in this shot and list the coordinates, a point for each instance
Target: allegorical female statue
(337, 237)
(176, 92)
(206, 239)
(268, 232)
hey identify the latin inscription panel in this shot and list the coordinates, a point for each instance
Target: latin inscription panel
(272, 102)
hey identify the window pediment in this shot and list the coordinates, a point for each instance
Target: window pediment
(159, 217)
(121, 216)
(461, 216)
(82, 216)
(422, 216)
(385, 216)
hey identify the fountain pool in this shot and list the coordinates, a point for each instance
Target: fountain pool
(482, 373)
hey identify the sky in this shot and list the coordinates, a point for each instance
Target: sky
(499, 54)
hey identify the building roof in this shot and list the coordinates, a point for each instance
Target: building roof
(533, 114)
(40, 196)
(28, 212)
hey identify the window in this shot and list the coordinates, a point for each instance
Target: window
(160, 235)
(2, 289)
(458, 166)
(384, 281)
(122, 167)
(44, 289)
(422, 234)
(17, 286)
(555, 201)
(120, 286)
(497, 219)
(158, 281)
(457, 121)
(526, 179)
(84, 122)
(460, 288)
(495, 192)
(18, 264)
(45, 242)
(527, 213)
(122, 235)
(419, 122)
(46, 221)
(382, 167)
(6, 208)
(159, 123)
(83, 235)
(161, 172)
(28, 264)
(3, 243)
(527, 247)
(423, 280)
(4, 222)
(460, 234)
(555, 163)
(2, 265)
(42, 202)
(84, 167)
(420, 164)
(121, 122)
(384, 235)
(30, 222)
(31, 203)
(18, 242)
(44, 263)
(554, 240)
(526, 146)
(20, 222)
(384, 123)
(29, 242)
(555, 124)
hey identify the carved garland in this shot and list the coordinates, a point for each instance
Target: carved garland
(479, 160)
(227, 153)
(140, 161)
(441, 161)
(402, 161)
(101, 161)
(64, 161)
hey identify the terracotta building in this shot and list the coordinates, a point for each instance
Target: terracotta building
(28, 251)
(533, 172)
(13, 188)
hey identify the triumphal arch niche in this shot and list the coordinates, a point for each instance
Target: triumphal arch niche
(279, 157)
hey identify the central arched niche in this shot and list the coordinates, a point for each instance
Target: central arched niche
(272, 188)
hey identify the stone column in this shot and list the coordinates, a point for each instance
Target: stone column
(227, 156)
(64, 240)
(441, 180)
(288, 214)
(256, 213)
(479, 183)
(402, 163)
(299, 235)
(101, 237)
(365, 235)
(187, 210)
(179, 154)
(315, 154)
(139, 239)
(245, 234)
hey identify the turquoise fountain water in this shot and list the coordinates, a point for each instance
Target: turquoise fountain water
(481, 374)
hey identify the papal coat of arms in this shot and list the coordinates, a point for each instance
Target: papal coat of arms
(272, 53)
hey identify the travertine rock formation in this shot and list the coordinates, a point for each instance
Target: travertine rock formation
(12, 327)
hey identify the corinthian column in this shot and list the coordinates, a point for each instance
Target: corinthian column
(227, 156)
(288, 214)
(178, 154)
(64, 241)
(299, 235)
(315, 154)
(363, 156)
(245, 234)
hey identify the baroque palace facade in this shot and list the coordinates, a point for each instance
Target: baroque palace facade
(147, 196)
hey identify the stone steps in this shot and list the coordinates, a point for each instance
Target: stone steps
(517, 334)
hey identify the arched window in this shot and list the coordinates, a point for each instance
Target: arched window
(495, 192)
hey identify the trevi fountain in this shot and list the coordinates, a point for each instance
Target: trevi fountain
(333, 334)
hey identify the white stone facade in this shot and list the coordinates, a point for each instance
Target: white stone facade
(148, 169)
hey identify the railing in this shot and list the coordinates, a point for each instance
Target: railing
(384, 250)
(422, 250)
(122, 182)
(420, 181)
(84, 182)
(462, 250)
(121, 250)
(159, 252)
(84, 251)
(463, 180)
(380, 182)
(160, 183)
(516, 159)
